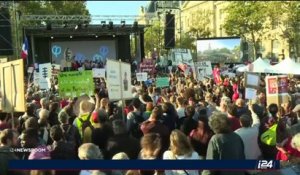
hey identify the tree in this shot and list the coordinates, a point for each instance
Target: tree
(187, 42)
(153, 36)
(247, 20)
(201, 22)
(286, 17)
(42, 8)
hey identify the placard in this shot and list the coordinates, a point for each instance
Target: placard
(203, 69)
(12, 86)
(252, 80)
(118, 80)
(55, 69)
(162, 82)
(45, 72)
(142, 76)
(98, 73)
(147, 65)
(277, 89)
(250, 93)
(76, 83)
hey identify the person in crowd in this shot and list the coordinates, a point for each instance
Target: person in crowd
(220, 146)
(225, 101)
(180, 101)
(200, 136)
(153, 125)
(30, 139)
(151, 146)
(120, 156)
(169, 117)
(149, 108)
(180, 148)
(8, 140)
(70, 132)
(44, 106)
(84, 119)
(43, 128)
(134, 119)
(291, 150)
(53, 113)
(231, 114)
(187, 123)
(268, 133)
(69, 109)
(121, 141)
(211, 106)
(60, 149)
(241, 107)
(29, 112)
(3, 122)
(89, 151)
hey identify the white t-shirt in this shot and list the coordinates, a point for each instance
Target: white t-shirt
(181, 112)
(168, 155)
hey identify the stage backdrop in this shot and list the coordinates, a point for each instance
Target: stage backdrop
(65, 51)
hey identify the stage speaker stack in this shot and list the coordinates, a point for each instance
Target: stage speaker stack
(6, 45)
(170, 31)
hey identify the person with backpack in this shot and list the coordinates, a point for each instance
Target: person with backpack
(70, 132)
(84, 119)
(135, 119)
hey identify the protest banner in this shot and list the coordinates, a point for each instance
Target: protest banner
(98, 73)
(76, 83)
(12, 86)
(142, 76)
(252, 81)
(45, 72)
(118, 80)
(55, 69)
(148, 66)
(162, 82)
(277, 89)
(203, 69)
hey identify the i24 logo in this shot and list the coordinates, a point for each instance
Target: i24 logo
(265, 164)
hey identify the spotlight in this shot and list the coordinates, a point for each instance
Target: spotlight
(103, 23)
(85, 24)
(52, 37)
(110, 25)
(78, 26)
(122, 23)
(114, 35)
(71, 36)
(96, 36)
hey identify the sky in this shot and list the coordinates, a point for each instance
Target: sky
(115, 7)
(202, 45)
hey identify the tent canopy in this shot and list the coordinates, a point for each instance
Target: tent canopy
(287, 66)
(258, 66)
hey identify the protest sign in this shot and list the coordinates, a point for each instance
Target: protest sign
(252, 81)
(203, 69)
(74, 84)
(118, 80)
(98, 73)
(147, 65)
(12, 86)
(45, 72)
(162, 82)
(250, 93)
(277, 89)
(142, 76)
(55, 69)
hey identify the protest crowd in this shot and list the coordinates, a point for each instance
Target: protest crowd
(189, 119)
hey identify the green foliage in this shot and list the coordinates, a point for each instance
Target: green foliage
(201, 22)
(247, 20)
(187, 42)
(153, 36)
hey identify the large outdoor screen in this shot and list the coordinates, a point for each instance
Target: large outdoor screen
(219, 49)
(83, 50)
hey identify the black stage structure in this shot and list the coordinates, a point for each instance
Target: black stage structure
(128, 38)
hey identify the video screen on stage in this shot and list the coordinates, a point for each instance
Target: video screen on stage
(66, 51)
(219, 49)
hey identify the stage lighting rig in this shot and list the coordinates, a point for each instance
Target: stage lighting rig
(122, 23)
(110, 25)
(103, 23)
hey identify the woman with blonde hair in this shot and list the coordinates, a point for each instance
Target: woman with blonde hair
(151, 146)
(180, 148)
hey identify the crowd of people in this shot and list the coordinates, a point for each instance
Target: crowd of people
(190, 119)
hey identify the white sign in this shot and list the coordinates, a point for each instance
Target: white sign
(250, 93)
(98, 73)
(30, 70)
(55, 68)
(36, 78)
(204, 69)
(118, 80)
(45, 72)
(142, 76)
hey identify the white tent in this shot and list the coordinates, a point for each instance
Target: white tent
(287, 66)
(258, 66)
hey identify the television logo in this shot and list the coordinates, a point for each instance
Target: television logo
(265, 164)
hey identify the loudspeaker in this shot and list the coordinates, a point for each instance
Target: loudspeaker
(6, 45)
(245, 51)
(142, 45)
(169, 31)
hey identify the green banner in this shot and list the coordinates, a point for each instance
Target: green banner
(75, 84)
(162, 82)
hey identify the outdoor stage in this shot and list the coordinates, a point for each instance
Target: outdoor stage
(85, 42)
